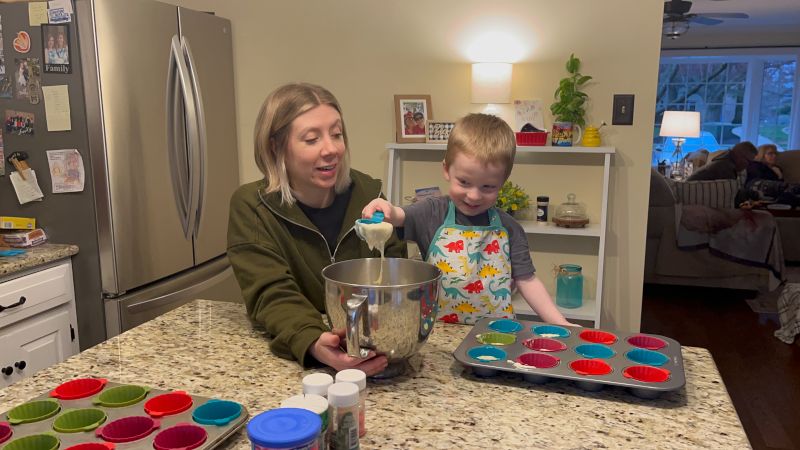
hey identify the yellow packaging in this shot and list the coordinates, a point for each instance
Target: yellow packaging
(17, 223)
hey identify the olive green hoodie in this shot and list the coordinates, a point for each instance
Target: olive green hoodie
(278, 255)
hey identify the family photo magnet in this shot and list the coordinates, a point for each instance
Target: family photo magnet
(55, 50)
(27, 79)
(22, 43)
(19, 122)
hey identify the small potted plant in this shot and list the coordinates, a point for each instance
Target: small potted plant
(512, 198)
(568, 109)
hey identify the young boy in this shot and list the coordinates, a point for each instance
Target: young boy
(478, 248)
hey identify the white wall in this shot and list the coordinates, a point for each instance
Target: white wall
(366, 51)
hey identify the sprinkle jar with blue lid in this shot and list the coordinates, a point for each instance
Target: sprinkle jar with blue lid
(285, 429)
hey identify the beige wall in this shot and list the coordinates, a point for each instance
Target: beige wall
(366, 51)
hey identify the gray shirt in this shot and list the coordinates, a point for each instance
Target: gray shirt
(424, 217)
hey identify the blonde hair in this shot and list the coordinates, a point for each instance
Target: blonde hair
(272, 129)
(763, 149)
(484, 137)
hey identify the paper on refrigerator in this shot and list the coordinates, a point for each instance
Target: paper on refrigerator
(66, 170)
(28, 189)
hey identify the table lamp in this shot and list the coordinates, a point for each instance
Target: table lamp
(491, 84)
(680, 125)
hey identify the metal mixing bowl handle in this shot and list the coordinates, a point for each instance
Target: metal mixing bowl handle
(355, 311)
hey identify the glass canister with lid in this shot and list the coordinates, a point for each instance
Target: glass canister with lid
(569, 286)
(571, 214)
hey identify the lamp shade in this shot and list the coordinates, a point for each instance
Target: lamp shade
(491, 83)
(680, 124)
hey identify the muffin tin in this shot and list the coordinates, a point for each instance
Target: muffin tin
(95, 414)
(647, 364)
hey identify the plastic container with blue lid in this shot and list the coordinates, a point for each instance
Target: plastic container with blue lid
(285, 429)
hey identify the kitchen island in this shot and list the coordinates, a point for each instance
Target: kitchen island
(212, 349)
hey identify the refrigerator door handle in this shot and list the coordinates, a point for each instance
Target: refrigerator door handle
(200, 153)
(192, 132)
(176, 141)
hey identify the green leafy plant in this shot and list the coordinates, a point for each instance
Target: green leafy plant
(569, 105)
(512, 198)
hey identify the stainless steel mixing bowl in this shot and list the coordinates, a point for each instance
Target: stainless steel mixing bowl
(393, 318)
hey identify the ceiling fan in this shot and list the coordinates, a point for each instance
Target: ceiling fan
(677, 18)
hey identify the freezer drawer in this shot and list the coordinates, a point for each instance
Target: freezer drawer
(211, 281)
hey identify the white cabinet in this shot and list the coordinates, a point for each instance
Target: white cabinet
(37, 321)
(596, 231)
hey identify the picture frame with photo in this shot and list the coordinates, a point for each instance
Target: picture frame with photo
(411, 113)
(438, 131)
(55, 48)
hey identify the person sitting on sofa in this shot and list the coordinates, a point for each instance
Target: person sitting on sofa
(728, 165)
(763, 166)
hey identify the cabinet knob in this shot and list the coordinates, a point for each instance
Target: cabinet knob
(7, 371)
(20, 365)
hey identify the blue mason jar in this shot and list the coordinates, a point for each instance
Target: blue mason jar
(569, 286)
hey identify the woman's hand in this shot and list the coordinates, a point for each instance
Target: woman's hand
(327, 351)
(391, 214)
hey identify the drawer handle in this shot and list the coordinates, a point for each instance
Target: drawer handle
(7, 371)
(19, 303)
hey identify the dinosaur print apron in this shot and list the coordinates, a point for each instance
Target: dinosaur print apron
(476, 269)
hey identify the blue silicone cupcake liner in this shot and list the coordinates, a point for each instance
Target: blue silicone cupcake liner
(505, 325)
(217, 412)
(595, 351)
(550, 331)
(647, 357)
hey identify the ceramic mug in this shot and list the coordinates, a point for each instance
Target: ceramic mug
(562, 133)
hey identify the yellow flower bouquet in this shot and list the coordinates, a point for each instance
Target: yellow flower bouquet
(512, 198)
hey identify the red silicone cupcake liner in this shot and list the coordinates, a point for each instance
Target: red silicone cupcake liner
(647, 374)
(93, 446)
(545, 345)
(80, 388)
(598, 337)
(590, 367)
(648, 342)
(183, 436)
(127, 429)
(5, 431)
(168, 404)
(538, 360)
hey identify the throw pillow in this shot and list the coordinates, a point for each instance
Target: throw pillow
(711, 193)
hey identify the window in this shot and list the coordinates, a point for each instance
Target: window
(740, 95)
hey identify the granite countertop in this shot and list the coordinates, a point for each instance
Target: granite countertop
(211, 349)
(35, 256)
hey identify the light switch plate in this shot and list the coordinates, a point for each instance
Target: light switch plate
(623, 110)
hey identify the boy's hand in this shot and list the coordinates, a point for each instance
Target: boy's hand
(391, 214)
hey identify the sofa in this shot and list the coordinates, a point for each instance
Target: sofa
(665, 263)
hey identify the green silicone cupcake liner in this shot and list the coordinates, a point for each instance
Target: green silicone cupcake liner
(120, 396)
(76, 420)
(42, 441)
(33, 411)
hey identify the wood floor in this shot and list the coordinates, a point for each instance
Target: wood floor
(762, 374)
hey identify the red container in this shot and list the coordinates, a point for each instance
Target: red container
(538, 360)
(590, 367)
(648, 374)
(183, 436)
(648, 342)
(92, 446)
(598, 337)
(168, 404)
(545, 345)
(535, 138)
(5, 431)
(80, 388)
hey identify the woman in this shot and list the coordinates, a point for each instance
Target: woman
(763, 166)
(284, 229)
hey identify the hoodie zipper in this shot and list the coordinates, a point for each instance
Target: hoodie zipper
(327, 247)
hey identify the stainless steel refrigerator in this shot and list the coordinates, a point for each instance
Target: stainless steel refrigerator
(159, 143)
